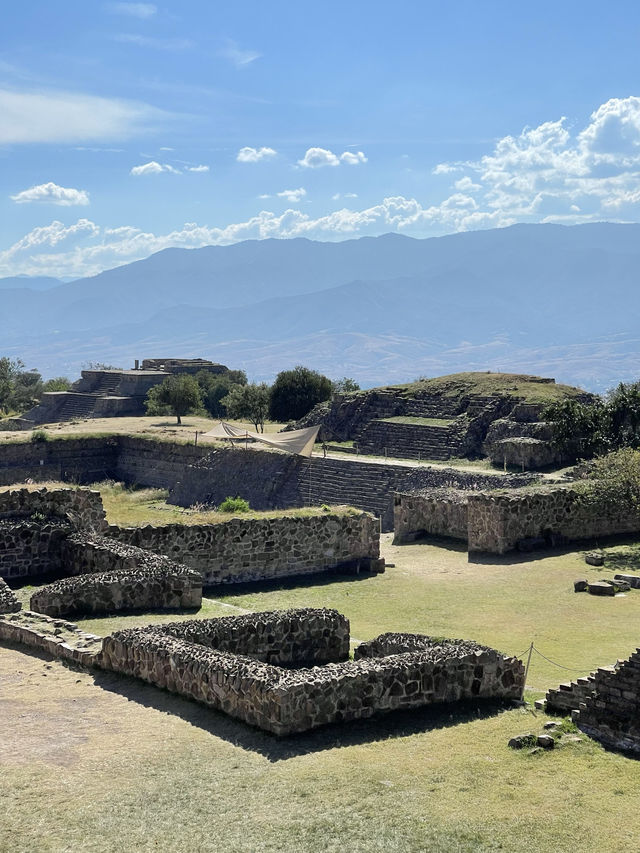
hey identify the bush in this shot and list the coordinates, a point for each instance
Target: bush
(39, 435)
(234, 505)
(295, 392)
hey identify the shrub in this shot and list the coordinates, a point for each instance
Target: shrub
(39, 435)
(236, 504)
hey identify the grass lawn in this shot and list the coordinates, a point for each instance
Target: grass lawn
(95, 762)
(417, 421)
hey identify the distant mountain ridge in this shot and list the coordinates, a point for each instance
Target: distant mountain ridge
(369, 307)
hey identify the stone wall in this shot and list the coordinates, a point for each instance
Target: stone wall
(8, 601)
(143, 588)
(499, 520)
(440, 512)
(35, 523)
(530, 454)
(202, 474)
(611, 713)
(249, 549)
(285, 701)
(53, 636)
(495, 522)
(77, 460)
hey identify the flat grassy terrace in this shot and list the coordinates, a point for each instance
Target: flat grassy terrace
(94, 762)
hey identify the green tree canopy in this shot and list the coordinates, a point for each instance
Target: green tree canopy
(248, 402)
(295, 392)
(177, 395)
(58, 383)
(215, 386)
(344, 385)
(20, 389)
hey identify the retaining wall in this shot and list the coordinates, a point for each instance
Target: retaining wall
(8, 601)
(249, 549)
(441, 512)
(200, 474)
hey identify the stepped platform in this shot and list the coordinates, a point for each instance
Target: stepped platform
(415, 437)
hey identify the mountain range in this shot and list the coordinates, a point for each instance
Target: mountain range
(548, 299)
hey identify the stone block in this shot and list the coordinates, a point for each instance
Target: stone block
(594, 558)
(601, 588)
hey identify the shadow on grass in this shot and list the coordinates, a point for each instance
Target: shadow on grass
(383, 726)
(577, 547)
(222, 591)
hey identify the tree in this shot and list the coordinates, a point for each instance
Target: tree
(20, 389)
(215, 386)
(344, 385)
(58, 383)
(178, 395)
(612, 482)
(248, 401)
(295, 392)
(578, 428)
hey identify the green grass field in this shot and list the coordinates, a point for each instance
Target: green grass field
(94, 762)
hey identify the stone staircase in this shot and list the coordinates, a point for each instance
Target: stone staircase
(106, 385)
(76, 406)
(366, 486)
(414, 441)
(567, 697)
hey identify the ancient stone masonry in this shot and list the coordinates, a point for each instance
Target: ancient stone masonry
(248, 549)
(148, 588)
(499, 521)
(8, 601)
(54, 636)
(35, 523)
(269, 479)
(190, 661)
(104, 393)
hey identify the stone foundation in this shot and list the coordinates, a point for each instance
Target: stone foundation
(54, 636)
(126, 589)
(285, 701)
(497, 522)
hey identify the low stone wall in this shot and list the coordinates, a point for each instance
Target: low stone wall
(440, 512)
(8, 601)
(77, 460)
(127, 589)
(35, 523)
(83, 507)
(31, 548)
(54, 636)
(530, 454)
(495, 522)
(499, 520)
(252, 549)
(285, 701)
(611, 713)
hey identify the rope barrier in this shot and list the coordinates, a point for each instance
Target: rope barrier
(559, 665)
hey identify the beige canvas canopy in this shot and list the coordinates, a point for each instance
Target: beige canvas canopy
(298, 441)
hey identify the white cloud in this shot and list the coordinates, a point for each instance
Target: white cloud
(239, 57)
(155, 43)
(196, 168)
(30, 117)
(52, 194)
(95, 249)
(293, 196)
(446, 168)
(153, 168)
(254, 155)
(316, 158)
(466, 185)
(338, 196)
(353, 159)
(133, 10)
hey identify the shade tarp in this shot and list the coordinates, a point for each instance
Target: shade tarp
(298, 441)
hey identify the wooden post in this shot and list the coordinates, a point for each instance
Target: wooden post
(526, 670)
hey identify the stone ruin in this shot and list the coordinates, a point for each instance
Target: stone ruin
(111, 392)
(107, 568)
(446, 420)
(604, 705)
(284, 671)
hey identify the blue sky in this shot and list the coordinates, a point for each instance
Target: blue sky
(129, 127)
